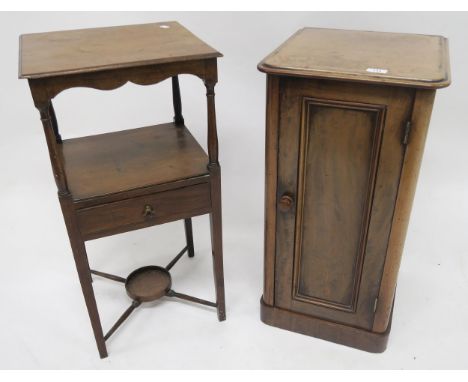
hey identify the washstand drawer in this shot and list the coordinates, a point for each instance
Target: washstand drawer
(144, 211)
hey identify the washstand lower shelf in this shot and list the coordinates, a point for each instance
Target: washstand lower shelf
(148, 284)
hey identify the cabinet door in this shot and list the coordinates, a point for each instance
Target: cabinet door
(340, 155)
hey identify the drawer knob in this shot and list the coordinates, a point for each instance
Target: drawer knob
(148, 211)
(286, 202)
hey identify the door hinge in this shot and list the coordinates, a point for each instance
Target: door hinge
(376, 301)
(406, 133)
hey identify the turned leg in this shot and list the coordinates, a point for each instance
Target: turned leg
(84, 274)
(189, 236)
(177, 102)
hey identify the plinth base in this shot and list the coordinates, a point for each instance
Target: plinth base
(326, 330)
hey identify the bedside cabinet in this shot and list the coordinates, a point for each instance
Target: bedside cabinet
(347, 118)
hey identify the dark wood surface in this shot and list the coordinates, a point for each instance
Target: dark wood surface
(327, 330)
(144, 211)
(385, 58)
(95, 49)
(345, 190)
(339, 148)
(342, 161)
(271, 182)
(121, 181)
(420, 118)
(148, 283)
(80, 256)
(121, 161)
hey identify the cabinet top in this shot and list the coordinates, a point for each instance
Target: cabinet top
(394, 58)
(89, 50)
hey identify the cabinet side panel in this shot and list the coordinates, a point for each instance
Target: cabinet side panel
(271, 161)
(340, 144)
(420, 118)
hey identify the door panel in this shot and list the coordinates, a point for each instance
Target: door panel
(340, 156)
(338, 153)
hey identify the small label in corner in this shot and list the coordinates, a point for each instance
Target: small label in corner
(377, 70)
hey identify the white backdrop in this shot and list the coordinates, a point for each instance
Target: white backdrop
(43, 319)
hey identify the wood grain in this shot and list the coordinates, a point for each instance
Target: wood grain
(271, 174)
(343, 154)
(339, 150)
(379, 57)
(398, 103)
(89, 50)
(121, 181)
(121, 161)
(331, 331)
(46, 88)
(129, 214)
(82, 266)
(420, 118)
